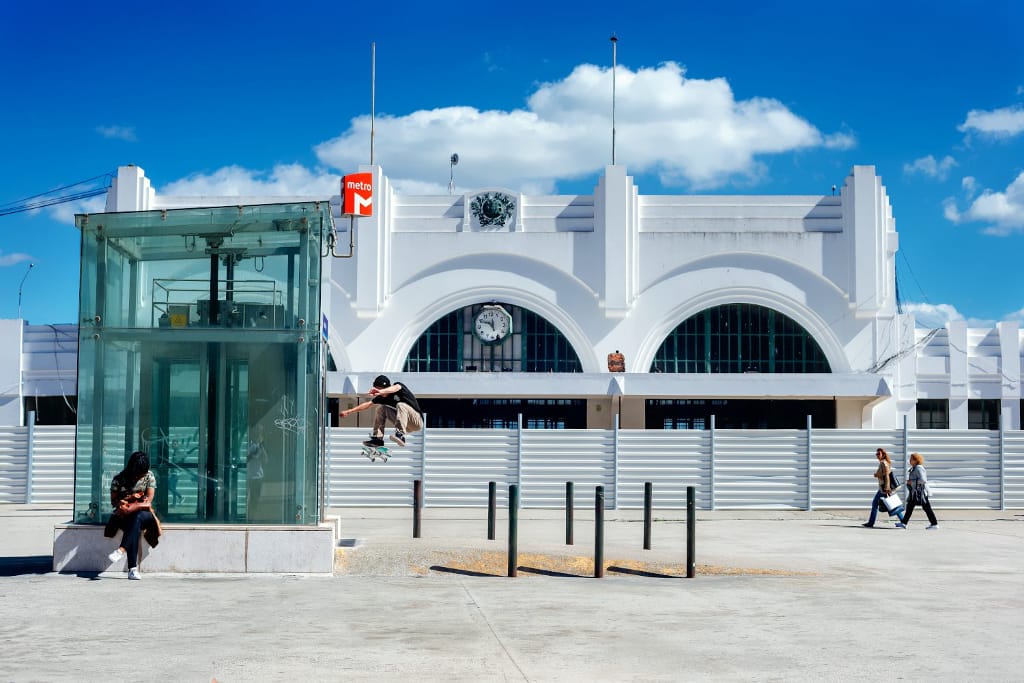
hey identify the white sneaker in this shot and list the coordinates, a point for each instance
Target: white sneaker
(134, 575)
(932, 526)
(115, 556)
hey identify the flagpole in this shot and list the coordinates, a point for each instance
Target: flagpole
(373, 92)
(614, 42)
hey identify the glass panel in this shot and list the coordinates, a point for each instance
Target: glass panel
(449, 345)
(503, 413)
(739, 413)
(738, 338)
(932, 413)
(182, 304)
(983, 413)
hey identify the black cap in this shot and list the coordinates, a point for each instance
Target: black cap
(381, 382)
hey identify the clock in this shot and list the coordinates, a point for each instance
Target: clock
(492, 324)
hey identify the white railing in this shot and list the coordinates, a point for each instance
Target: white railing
(730, 469)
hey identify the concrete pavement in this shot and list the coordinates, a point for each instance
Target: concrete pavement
(778, 596)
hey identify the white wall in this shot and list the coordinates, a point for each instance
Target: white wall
(10, 372)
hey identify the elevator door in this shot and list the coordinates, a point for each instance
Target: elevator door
(200, 417)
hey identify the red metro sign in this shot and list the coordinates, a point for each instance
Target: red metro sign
(357, 194)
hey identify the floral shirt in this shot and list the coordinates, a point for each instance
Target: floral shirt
(120, 491)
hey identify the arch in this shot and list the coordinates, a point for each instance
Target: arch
(818, 329)
(419, 305)
(534, 345)
(735, 338)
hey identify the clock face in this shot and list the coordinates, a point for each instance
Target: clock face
(492, 324)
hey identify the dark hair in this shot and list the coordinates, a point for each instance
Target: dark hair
(138, 465)
(381, 382)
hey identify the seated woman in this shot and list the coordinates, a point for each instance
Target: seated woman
(131, 495)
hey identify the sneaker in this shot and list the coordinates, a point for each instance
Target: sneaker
(932, 526)
(901, 525)
(869, 526)
(399, 438)
(374, 442)
(134, 575)
(115, 556)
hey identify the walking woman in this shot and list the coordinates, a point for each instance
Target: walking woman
(918, 492)
(884, 489)
(131, 495)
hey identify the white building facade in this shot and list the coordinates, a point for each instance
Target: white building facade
(757, 310)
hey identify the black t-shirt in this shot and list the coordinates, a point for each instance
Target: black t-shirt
(403, 395)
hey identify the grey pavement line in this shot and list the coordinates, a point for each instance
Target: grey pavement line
(490, 627)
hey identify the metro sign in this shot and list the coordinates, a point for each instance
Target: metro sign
(357, 194)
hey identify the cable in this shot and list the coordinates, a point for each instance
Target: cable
(44, 199)
(877, 367)
(56, 362)
(58, 189)
(906, 261)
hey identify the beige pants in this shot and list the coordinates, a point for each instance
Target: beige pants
(404, 418)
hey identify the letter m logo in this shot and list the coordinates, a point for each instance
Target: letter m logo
(357, 194)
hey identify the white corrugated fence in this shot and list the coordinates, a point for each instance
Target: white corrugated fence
(730, 469)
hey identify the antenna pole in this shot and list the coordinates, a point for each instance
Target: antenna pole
(614, 45)
(373, 92)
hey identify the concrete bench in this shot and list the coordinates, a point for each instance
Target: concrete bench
(204, 548)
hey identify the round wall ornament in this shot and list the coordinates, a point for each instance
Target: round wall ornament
(492, 208)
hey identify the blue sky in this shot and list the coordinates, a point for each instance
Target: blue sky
(724, 98)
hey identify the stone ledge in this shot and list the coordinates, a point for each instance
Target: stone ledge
(205, 548)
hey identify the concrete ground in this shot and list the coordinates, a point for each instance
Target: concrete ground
(787, 596)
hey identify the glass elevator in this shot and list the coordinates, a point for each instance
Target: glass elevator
(200, 344)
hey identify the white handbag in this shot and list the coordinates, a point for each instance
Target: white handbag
(891, 502)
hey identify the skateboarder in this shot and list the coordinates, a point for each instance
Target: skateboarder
(395, 404)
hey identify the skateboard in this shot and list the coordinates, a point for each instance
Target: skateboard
(374, 452)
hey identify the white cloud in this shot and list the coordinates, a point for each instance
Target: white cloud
(285, 180)
(1002, 122)
(1003, 211)
(932, 316)
(930, 167)
(969, 185)
(126, 133)
(13, 259)
(691, 132)
(65, 213)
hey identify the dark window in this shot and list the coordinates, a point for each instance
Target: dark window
(52, 410)
(932, 413)
(439, 349)
(449, 345)
(695, 413)
(983, 413)
(737, 338)
(503, 413)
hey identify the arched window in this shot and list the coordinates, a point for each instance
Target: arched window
(739, 338)
(451, 344)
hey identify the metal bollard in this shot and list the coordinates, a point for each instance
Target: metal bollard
(599, 532)
(492, 503)
(513, 529)
(648, 500)
(417, 506)
(569, 502)
(691, 528)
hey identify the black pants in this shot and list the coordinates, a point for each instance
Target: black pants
(133, 525)
(911, 502)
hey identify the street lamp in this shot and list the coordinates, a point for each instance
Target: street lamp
(22, 284)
